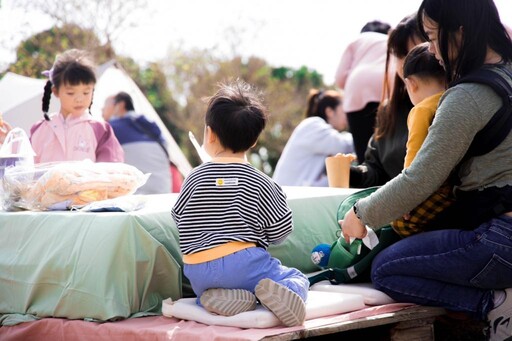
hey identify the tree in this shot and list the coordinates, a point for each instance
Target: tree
(38, 52)
(107, 18)
(153, 83)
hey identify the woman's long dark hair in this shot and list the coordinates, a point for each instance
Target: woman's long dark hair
(395, 102)
(481, 29)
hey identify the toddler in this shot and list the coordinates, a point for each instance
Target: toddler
(228, 213)
(425, 81)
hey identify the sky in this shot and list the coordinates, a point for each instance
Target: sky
(292, 33)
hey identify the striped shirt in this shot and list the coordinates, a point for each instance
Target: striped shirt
(225, 202)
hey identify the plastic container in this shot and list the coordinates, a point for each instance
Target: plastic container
(16, 151)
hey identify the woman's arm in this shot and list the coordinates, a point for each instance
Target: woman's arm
(321, 138)
(462, 112)
(384, 158)
(371, 172)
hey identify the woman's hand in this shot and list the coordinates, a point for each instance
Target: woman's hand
(351, 226)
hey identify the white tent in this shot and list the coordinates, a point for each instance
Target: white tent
(21, 103)
(21, 100)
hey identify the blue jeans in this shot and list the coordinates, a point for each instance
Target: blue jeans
(455, 269)
(243, 270)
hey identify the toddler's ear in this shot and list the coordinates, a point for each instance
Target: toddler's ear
(411, 83)
(210, 135)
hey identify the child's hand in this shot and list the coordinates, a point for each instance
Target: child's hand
(351, 226)
(5, 128)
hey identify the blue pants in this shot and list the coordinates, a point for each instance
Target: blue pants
(243, 270)
(455, 269)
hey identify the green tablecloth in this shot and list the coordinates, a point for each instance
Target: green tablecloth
(82, 265)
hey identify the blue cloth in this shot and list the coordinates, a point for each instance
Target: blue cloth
(127, 132)
(454, 269)
(243, 270)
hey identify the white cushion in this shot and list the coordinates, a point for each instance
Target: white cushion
(371, 295)
(319, 304)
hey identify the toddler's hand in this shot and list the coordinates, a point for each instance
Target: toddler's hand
(5, 128)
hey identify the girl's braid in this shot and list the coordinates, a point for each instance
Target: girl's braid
(46, 99)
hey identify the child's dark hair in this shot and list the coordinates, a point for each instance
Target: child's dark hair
(422, 63)
(72, 67)
(126, 99)
(236, 114)
(319, 100)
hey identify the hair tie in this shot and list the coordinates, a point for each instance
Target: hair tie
(48, 74)
(320, 95)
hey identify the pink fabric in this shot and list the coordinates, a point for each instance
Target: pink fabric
(360, 73)
(160, 328)
(75, 139)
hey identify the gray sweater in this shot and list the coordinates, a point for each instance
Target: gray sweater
(463, 110)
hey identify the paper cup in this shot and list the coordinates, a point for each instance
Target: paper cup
(338, 169)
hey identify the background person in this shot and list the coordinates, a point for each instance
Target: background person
(319, 135)
(141, 141)
(73, 134)
(360, 75)
(385, 153)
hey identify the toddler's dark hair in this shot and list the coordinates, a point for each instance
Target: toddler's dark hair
(236, 114)
(73, 67)
(422, 63)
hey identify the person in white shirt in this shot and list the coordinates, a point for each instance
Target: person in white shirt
(321, 134)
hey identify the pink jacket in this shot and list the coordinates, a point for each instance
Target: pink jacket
(75, 139)
(361, 69)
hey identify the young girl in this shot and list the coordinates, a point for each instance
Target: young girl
(72, 134)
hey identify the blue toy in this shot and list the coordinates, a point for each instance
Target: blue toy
(320, 255)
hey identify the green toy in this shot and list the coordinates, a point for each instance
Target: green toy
(352, 263)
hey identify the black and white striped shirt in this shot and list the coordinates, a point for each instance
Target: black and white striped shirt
(225, 202)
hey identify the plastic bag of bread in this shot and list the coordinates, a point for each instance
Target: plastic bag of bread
(61, 185)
